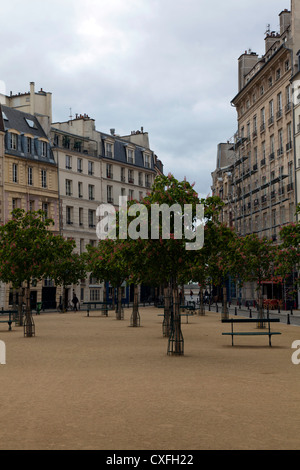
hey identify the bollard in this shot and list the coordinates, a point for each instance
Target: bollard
(250, 314)
(217, 308)
(288, 319)
(235, 310)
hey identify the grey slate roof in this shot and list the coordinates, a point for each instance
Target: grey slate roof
(120, 153)
(15, 119)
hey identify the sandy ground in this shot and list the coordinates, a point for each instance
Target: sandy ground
(97, 383)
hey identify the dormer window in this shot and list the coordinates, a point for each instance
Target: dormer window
(147, 161)
(13, 141)
(130, 155)
(109, 150)
(31, 123)
(44, 149)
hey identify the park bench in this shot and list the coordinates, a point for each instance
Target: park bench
(252, 333)
(11, 317)
(102, 306)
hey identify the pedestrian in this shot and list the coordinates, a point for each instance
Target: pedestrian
(191, 294)
(75, 302)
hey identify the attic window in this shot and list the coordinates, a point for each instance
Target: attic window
(30, 123)
(4, 116)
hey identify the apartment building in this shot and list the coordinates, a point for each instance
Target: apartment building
(68, 169)
(96, 168)
(29, 177)
(256, 175)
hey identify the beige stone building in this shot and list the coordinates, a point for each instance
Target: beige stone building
(97, 168)
(255, 171)
(67, 169)
(29, 180)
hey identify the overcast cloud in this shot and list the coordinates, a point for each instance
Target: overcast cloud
(167, 65)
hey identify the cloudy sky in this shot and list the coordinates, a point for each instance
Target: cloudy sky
(167, 65)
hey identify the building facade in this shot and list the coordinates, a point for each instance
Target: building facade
(29, 178)
(96, 168)
(256, 175)
(67, 169)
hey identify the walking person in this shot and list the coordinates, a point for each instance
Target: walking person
(75, 302)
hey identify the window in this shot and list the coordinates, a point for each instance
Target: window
(68, 162)
(131, 194)
(79, 165)
(141, 179)
(290, 172)
(13, 141)
(30, 176)
(91, 216)
(279, 104)
(123, 192)
(130, 156)
(282, 215)
(69, 215)
(80, 189)
(254, 126)
(15, 173)
(94, 295)
(90, 168)
(147, 161)
(248, 130)
(123, 175)
(280, 142)
(31, 206)
(31, 123)
(80, 214)
(15, 204)
(45, 209)
(278, 74)
(81, 246)
(29, 145)
(272, 148)
(110, 194)
(270, 81)
(109, 170)
(44, 149)
(289, 144)
(148, 181)
(108, 149)
(68, 188)
(91, 192)
(271, 111)
(130, 176)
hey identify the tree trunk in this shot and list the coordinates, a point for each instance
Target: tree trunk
(119, 304)
(225, 314)
(135, 316)
(261, 308)
(29, 329)
(176, 342)
(113, 301)
(167, 327)
(20, 306)
(202, 309)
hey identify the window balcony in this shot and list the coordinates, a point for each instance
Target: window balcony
(272, 156)
(271, 121)
(280, 151)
